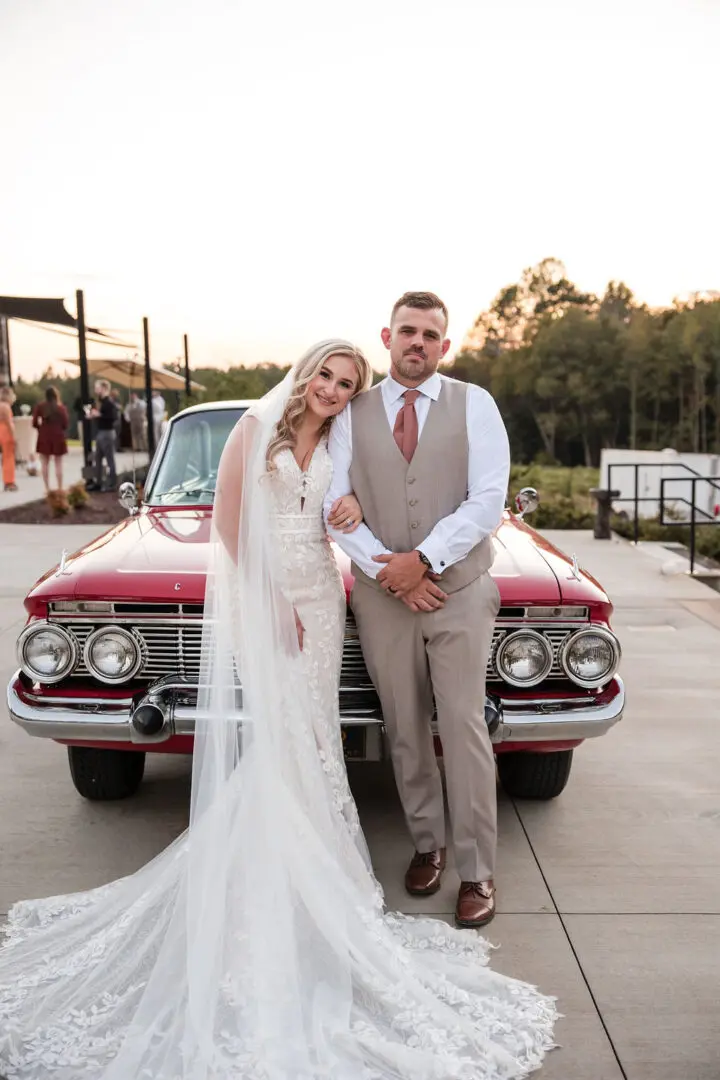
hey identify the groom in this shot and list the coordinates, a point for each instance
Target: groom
(428, 459)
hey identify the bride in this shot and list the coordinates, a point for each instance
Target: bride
(256, 946)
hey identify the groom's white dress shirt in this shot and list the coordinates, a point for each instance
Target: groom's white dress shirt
(478, 516)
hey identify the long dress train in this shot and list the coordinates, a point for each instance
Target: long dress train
(256, 946)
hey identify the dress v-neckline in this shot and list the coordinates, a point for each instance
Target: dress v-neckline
(306, 470)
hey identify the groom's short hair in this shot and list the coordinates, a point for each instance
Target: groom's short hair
(425, 301)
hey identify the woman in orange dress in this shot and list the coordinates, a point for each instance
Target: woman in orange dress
(50, 417)
(7, 438)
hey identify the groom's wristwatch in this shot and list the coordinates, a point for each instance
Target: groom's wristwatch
(424, 559)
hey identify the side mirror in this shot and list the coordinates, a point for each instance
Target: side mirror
(127, 496)
(527, 501)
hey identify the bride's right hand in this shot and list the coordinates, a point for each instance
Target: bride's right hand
(300, 629)
(345, 514)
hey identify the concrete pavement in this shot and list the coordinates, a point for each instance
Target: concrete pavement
(609, 896)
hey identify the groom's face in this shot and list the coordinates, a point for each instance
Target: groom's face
(416, 342)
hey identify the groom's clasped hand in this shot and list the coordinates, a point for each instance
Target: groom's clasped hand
(408, 578)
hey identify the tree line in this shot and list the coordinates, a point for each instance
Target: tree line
(573, 372)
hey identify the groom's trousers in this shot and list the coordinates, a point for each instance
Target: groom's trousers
(412, 659)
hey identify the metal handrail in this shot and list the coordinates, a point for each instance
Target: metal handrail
(693, 509)
(636, 499)
(694, 479)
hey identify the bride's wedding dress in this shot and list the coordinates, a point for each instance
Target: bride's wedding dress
(256, 946)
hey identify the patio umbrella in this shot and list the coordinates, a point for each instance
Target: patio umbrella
(131, 373)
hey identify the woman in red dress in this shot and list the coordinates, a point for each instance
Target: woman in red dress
(50, 417)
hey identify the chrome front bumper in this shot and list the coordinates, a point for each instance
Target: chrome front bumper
(86, 719)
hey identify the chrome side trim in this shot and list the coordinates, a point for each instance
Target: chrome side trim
(63, 619)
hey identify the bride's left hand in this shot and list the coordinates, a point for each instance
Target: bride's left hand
(345, 514)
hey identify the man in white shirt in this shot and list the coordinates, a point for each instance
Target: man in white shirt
(429, 461)
(158, 414)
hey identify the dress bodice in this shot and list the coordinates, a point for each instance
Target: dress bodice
(297, 496)
(302, 549)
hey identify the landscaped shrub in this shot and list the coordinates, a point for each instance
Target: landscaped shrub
(77, 495)
(58, 503)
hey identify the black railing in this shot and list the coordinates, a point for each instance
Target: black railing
(698, 516)
(706, 519)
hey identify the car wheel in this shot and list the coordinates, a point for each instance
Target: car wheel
(534, 776)
(105, 774)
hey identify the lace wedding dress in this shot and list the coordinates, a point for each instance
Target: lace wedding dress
(256, 947)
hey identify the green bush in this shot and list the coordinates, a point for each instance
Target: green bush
(77, 495)
(565, 500)
(562, 512)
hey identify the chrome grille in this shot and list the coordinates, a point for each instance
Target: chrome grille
(556, 635)
(354, 673)
(168, 648)
(173, 646)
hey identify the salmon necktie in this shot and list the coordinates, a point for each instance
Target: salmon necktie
(405, 431)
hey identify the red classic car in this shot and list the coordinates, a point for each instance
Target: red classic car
(110, 656)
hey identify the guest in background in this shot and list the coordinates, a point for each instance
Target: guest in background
(136, 414)
(117, 402)
(105, 414)
(7, 438)
(158, 414)
(50, 417)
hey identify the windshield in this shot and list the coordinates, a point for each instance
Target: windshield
(188, 471)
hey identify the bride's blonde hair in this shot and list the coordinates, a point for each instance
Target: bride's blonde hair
(307, 368)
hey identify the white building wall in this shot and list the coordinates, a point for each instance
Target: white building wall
(707, 497)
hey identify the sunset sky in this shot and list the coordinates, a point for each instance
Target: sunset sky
(261, 175)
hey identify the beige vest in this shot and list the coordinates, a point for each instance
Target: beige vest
(401, 502)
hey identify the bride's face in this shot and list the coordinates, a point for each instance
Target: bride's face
(333, 386)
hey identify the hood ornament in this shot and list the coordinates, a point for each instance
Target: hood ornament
(62, 570)
(575, 574)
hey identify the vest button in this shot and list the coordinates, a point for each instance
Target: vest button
(414, 524)
(413, 502)
(411, 479)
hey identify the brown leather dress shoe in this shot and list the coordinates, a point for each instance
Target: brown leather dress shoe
(424, 873)
(475, 903)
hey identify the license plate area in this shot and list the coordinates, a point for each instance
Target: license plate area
(354, 739)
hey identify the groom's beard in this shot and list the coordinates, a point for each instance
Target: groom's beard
(415, 365)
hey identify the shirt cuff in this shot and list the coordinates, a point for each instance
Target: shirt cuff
(437, 554)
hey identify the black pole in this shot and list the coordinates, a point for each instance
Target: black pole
(662, 499)
(187, 366)
(636, 530)
(148, 393)
(5, 368)
(84, 378)
(693, 481)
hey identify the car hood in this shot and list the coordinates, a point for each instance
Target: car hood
(156, 556)
(161, 556)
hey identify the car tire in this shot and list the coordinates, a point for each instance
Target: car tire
(102, 775)
(534, 776)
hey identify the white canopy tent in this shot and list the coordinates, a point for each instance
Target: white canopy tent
(130, 373)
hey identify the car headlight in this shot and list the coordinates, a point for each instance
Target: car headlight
(524, 658)
(46, 652)
(590, 657)
(112, 655)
